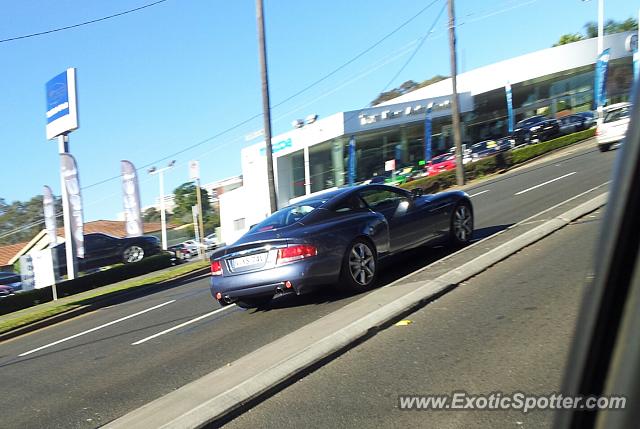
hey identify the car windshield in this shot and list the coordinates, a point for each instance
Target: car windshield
(617, 114)
(287, 216)
(530, 121)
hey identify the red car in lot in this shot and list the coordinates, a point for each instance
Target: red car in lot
(442, 163)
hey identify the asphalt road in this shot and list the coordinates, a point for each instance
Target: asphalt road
(506, 330)
(92, 369)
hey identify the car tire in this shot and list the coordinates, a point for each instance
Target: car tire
(604, 147)
(461, 226)
(253, 302)
(359, 266)
(132, 254)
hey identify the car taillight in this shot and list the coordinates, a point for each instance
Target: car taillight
(216, 268)
(295, 253)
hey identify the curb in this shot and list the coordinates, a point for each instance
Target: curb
(100, 302)
(226, 390)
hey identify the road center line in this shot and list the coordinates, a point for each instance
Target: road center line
(479, 193)
(545, 183)
(188, 322)
(113, 322)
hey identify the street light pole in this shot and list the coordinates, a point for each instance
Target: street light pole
(163, 216)
(266, 105)
(600, 26)
(455, 111)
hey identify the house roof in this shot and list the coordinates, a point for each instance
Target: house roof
(9, 253)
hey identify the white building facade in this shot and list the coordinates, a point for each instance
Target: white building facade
(314, 158)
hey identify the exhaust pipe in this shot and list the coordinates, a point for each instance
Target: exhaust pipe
(279, 290)
(227, 299)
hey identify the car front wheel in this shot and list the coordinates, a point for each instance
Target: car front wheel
(132, 254)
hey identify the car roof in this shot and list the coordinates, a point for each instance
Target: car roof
(617, 106)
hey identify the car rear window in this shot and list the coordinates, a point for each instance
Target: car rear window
(287, 216)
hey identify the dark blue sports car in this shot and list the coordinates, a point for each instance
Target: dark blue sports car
(336, 237)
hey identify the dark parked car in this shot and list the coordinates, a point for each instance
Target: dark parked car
(538, 128)
(181, 252)
(11, 279)
(102, 249)
(338, 237)
(590, 117)
(573, 123)
(490, 147)
(5, 291)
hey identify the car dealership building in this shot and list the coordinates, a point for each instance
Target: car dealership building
(314, 157)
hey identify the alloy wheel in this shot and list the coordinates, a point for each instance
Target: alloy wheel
(133, 254)
(462, 223)
(362, 264)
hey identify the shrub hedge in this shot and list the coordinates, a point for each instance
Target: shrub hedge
(84, 283)
(496, 163)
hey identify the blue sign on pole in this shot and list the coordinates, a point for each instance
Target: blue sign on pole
(427, 135)
(600, 88)
(352, 160)
(507, 89)
(62, 113)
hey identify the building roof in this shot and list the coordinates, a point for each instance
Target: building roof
(9, 253)
(522, 68)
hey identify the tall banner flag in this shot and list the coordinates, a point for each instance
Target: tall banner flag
(507, 90)
(72, 185)
(49, 209)
(352, 160)
(427, 135)
(131, 199)
(600, 89)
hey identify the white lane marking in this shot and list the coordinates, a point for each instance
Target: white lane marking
(188, 322)
(113, 322)
(545, 183)
(479, 193)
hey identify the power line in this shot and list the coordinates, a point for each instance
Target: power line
(93, 21)
(417, 49)
(322, 79)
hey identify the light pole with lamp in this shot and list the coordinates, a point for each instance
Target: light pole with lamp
(163, 219)
(600, 44)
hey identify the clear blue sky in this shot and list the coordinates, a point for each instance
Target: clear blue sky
(159, 80)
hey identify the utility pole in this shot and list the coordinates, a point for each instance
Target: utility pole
(455, 111)
(266, 105)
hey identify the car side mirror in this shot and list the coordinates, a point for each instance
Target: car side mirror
(417, 192)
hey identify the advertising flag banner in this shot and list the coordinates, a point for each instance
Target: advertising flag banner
(427, 134)
(602, 67)
(49, 209)
(352, 160)
(131, 200)
(72, 185)
(507, 90)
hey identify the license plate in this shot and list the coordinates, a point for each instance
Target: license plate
(247, 261)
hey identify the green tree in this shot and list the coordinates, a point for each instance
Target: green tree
(151, 215)
(20, 221)
(569, 38)
(185, 198)
(406, 87)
